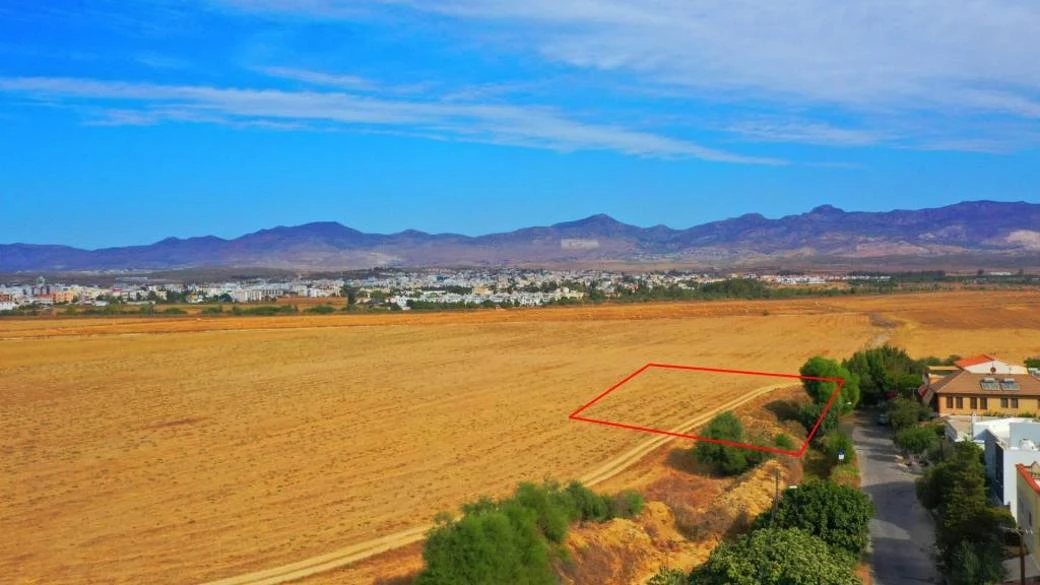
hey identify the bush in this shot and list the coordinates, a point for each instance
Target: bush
(217, 310)
(627, 504)
(490, 545)
(588, 505)
(174, 311)
(809, 414)
(837, 442)
(906, 412)
(776, 557)
(785, 442)
(724, 459)
(917, 440)
(513, 540)
(837, 514)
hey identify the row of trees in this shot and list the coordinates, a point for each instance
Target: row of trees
(969, 531)
(515, 540)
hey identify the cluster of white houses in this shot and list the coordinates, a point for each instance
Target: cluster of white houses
(996, 405)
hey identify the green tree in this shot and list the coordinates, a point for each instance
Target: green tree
(810, 414)
(906, 412)
(487, 547)
(837, 514)
(884, 368)
(786, 556)
(821, 390)
(956, 489)
(972, 565)
(724, 459)
(916, 440)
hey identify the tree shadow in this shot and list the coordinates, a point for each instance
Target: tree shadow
(783, 410)
(682, 460)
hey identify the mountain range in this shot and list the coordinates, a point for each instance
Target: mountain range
(976, 229)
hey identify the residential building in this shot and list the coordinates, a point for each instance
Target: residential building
(1004, 389)
(988, 364)
(973, 427)
(1009, 444)
(1027, 514)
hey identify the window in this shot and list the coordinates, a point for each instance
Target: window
(984, 403)
(974, 403)
(1014, 403)
(1003, 402)
(960, 402)
(949, 402)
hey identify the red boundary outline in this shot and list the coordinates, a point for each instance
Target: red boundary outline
(840, 382)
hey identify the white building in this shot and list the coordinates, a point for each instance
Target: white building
(988, 364)
(1007, 445)
(963, 427)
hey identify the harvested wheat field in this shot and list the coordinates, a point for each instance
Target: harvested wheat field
(182, 450)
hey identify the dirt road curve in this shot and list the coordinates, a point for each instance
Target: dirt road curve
(370, 548)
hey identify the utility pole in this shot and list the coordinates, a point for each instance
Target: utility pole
(776, 498)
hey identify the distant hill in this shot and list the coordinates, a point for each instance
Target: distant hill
(975, 230)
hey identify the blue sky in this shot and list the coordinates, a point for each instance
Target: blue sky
(126, 122)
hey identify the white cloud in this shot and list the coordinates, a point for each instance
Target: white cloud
(976, 56)
(808, 132)
(319, 78)
(538, 127)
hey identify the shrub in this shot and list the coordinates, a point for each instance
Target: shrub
(836, 443)
(837, 514)
(784, 441)
(174, 311)
(776, 557)
(627, 504)
(809, 414)
(724, 459)
(588, 505)
(906, 412)
(217, 310)
(513, 540)
(917, 440)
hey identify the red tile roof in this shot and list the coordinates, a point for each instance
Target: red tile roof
(979, 359)
(968, 383)
(1027, 474)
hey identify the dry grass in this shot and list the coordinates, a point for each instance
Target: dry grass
(172, 450)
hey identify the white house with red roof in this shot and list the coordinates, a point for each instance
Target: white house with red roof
(989, 364)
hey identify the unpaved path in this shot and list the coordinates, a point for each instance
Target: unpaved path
(370, 548)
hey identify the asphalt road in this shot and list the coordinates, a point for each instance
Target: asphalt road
(902, 534)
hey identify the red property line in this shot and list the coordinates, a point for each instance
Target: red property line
(805, 445)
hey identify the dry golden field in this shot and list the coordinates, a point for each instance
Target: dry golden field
(180, 450)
